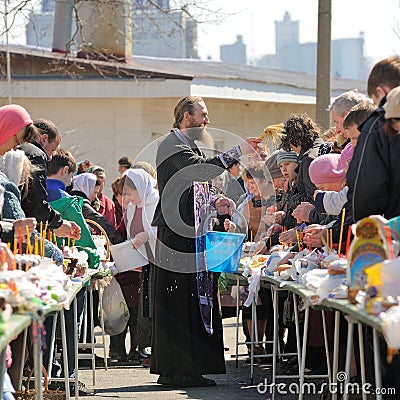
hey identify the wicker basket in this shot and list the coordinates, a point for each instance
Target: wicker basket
(101, 229)
(30, 394)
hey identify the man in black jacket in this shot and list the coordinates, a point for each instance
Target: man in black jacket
(373, 176)
(35, 202)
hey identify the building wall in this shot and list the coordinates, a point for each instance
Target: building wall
(164, 35)
(39, 30)
(234, 53)
(154, 34)
(103, 130)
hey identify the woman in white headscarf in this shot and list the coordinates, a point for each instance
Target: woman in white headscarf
(86, 186)
(139, 201)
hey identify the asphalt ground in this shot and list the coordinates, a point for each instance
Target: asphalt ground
(124, 381)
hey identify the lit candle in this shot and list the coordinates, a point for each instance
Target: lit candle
(20, 240)
(15, 246)
(348, 240)
(341, 230)
(69, 242)
(251, 236)
(389, 240)
(297, 238)
(41, 228)
(41, 244)
(28, 241)
(36, 248)
(331, 241)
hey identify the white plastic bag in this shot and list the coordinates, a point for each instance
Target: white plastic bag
(115, 310)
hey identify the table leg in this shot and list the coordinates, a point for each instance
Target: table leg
(92, 346)
(328, 361)
(335, 366)
(252, 334)
(51, 345)
(102, 326)
(237, 322)
(377, 364)
(64, 353)
(76, 348)
(349, 348)
(304, 352)
(362, 360)
(37, 358)
(275, 338)
(297, 325)
(2, 370)
(23, 350)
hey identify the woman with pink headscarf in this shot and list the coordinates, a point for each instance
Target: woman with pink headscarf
(16, 127)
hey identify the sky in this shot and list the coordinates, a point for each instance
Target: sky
(254, 19)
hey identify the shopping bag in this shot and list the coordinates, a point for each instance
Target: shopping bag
(115, 310)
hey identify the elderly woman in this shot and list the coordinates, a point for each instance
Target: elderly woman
(139, 201)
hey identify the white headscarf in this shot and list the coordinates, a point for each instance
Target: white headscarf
(12, 165)
(85, 183)
(144, 184)
(149, 196)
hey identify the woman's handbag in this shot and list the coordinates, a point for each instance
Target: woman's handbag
(115, 310)
(30, 394)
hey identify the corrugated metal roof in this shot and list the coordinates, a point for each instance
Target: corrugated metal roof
(226, 71)
(178, 68)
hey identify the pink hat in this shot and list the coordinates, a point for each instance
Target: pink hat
(13, 118)
(326, 169)
(346, 156)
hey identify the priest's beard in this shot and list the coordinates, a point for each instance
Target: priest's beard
(201, 133)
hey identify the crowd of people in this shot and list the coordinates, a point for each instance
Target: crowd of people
(299, 187)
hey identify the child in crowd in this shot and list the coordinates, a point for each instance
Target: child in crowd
(392, 111)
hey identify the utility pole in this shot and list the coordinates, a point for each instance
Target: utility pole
(324, 60)
(8, 57)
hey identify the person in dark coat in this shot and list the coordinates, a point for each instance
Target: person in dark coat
(373, 176)
(34, 203)
(302, 136)
(187, 328)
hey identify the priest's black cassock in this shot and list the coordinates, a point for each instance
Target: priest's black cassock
(180, 342)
